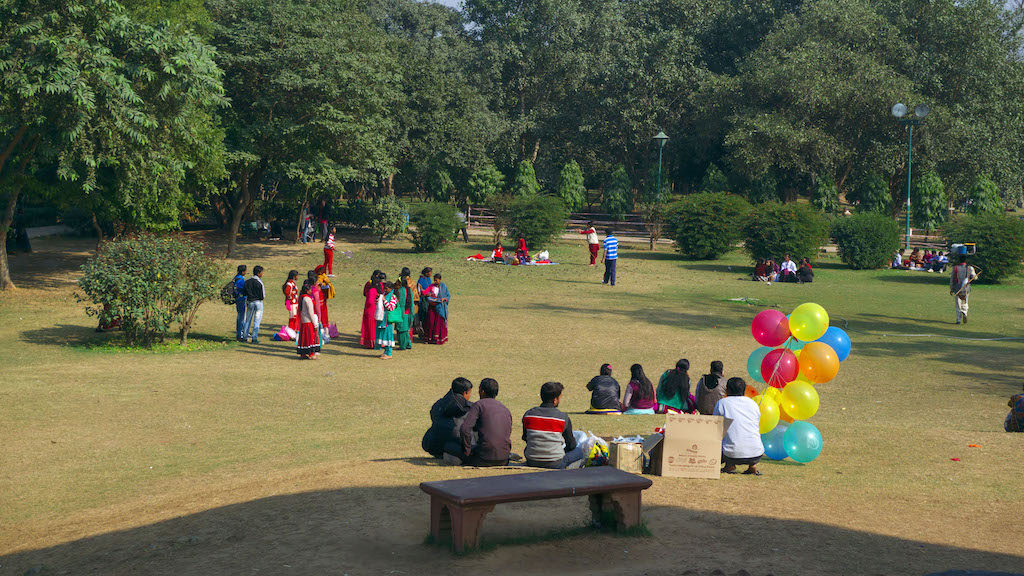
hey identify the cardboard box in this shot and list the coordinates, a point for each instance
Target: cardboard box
(690, 448)
(626, 456)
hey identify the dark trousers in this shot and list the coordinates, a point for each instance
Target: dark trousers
(609, 270)
(240, 318)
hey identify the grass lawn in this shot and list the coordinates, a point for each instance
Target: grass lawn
(242, 459)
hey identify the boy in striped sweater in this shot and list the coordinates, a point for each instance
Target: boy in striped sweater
(611, 256)
(329, 252)
(548, 432)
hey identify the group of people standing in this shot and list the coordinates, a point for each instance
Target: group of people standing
(394, 312)
(673, 395)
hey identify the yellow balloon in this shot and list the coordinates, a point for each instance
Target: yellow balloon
(819, 362)
(772, 393)
(769, 413)
(808, 322)
(784, 416)
(799, 400)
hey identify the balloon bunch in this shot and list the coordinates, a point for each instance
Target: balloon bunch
(797, 352)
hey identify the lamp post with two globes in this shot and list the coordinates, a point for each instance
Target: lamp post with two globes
(899, 111)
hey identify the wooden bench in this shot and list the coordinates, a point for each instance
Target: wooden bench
(459, 506)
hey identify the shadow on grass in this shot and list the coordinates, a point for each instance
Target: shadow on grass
(85, 338)
(653, 315)
(915, 278)
(633, 254)
(416, 461)
(380, 530)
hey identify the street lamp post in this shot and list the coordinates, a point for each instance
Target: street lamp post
(661, 138)
(899, 111)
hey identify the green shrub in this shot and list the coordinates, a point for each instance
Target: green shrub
(873, 194)
(387, 217)
(617, 198)
(440, 186)
(825, 196)
(524, 183)
(537, 219)
(773, 230)
(150, 282)
(714, 180)
(484, 184)
(866, 239)
(354, 213)
(928, 202)
(1000, 240)
(984, 195)
(707, 225)
(570, 186)
(436, 223)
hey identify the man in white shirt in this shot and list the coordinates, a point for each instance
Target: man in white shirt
(592, 243)
(897, 261)
(960, 278)
(787, 272)
(742, 441)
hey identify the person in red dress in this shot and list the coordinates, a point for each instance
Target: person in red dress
(522, 253)
(318, 298)
(291, 300)
(437, 314)
(368, 329)
(308, 345)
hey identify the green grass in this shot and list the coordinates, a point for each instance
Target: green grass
(90, 436)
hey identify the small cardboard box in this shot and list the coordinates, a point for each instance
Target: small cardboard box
(626, 456)
(691, 447)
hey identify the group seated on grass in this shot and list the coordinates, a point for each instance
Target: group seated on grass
(479, 433)
(521, 256)
(767, 270)
(672, 396)
(926, 261)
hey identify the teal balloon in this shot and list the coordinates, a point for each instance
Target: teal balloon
(839, 340)
(794, 344)
(754, 362)
(802, 441)
(774, 446)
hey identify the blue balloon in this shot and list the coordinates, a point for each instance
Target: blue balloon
(802, 441)
(838, 340)
(774, 447)
(754, 362)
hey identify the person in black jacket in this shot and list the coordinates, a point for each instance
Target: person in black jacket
(446, 416)
(605, 397)
(254, 295)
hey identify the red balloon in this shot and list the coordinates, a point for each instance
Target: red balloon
(779, 367)
(770, 328)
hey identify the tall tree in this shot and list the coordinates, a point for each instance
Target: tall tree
(311, 85)
(96, 99)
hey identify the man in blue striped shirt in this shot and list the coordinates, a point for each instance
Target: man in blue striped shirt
(611, 256)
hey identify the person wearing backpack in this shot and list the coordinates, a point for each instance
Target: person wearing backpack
(239, 293)
(255, 293)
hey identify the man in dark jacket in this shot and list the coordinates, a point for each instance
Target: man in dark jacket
(605, 397)
(547, 432)
(492, 423)
(240, 303)
(254, 295)
(446, 416)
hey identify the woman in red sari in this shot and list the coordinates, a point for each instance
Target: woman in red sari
(308, 345)
(368, 329)
(291, 300)
(437, 315)
(317, 296)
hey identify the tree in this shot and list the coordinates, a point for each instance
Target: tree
(714, 181)
(571, 189)
(311, 84)
(435, 224)
(617, 198)
(387, 217)
(1000, 243)
(825, 197)
(984, 197)
(484, 184)
(653, 215)
(929, 204)
(441, 186)
(525, 181)
(872, 193)
(537, 219)
(121, 121)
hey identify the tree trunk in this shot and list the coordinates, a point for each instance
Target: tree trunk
(100, 237)
(536, 151)
(5, 271)
(302, 209)
(6, 153)
(239, 209)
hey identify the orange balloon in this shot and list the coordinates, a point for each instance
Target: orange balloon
(750, 392)
(783, 415)
(818, 362)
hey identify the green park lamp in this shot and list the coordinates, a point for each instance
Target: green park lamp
(899, 111)
(661, 138)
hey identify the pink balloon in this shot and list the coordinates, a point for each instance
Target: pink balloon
(770, 328)
(780, 367)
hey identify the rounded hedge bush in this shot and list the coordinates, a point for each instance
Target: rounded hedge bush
(436, 223)
(773, 230)
(707, 225)
(1000, 240)
(866, 240)
(537, 219)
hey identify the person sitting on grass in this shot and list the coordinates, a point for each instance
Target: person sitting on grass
(1015, 419)
(742, 442)
(674, 390)
(788, 270)
(446, 415)
(640, 397)
(497, 255)
(491, 423)
(760, 271)
(772, 270)
(939, 262)
(710, 389)
(805, 273)
(547, 432)
(605, 392)
(897, 260)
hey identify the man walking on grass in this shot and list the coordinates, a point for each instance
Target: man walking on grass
(254, 295)
(960, 278)
(611, 256)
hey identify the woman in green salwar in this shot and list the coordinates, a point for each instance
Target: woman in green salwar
(404, 287)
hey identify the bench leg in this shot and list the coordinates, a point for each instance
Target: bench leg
(440, 519)
(466, 525)
(624, 505)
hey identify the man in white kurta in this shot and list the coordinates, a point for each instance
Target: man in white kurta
(960, 278)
